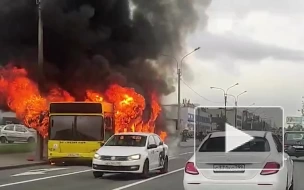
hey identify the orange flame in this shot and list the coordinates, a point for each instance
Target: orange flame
(22, 96)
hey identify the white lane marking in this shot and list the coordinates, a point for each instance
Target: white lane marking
(38, 172)
(83, 171)
(152, 178)
(43, 178)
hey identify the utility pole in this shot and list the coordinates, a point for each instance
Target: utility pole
(235, 114)
(251, 126)
(225, 97)
(40, 141)
(178, 98)
(179, 74)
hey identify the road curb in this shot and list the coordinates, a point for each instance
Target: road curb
(23, 165)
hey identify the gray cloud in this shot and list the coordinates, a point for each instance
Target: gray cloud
(244, 7)
(242, 48)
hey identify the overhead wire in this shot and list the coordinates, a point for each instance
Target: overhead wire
(206, 99)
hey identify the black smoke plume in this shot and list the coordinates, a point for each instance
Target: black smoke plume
(91, 43)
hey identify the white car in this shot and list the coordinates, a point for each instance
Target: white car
(16, 133)
(131, 153)
(259, 164)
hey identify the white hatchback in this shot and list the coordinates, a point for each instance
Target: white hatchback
(131, 153)
(259, 164)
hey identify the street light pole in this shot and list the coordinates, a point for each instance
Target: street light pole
(236, 99)
(40, 143)
(179, 74)
(225, 95)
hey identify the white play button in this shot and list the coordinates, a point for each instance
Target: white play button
(235, 138)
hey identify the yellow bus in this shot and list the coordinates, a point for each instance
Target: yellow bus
(78, 129)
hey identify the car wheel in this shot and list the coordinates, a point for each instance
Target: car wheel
(291, 187)
(166, 166)
(97, 174)
(10, 142)
(3, 140)
(31, 140)
(145, 172)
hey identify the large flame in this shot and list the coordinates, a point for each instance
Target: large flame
(22, 96)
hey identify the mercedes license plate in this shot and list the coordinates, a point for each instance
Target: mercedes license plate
(296, 146)
(73, 155)
(113, 163)
(223, 168)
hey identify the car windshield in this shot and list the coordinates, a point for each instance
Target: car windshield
(127, 140)
(217, 144)
(294, 136)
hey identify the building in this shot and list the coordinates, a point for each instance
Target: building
(252, 121)
(201, 119)
(218, 118)
(8, 117)
(235, 119)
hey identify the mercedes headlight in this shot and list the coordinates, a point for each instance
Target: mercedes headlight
(97, 156)
(134, 157)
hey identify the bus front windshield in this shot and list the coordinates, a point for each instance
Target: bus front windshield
(76, 128)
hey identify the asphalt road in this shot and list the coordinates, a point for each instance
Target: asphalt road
(80, 177)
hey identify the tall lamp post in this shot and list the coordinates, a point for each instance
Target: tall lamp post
(39, 149)
(225, 95)
(236, 99)
(179, 74)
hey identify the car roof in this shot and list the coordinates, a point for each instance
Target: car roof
(135, 133)
(251, 133)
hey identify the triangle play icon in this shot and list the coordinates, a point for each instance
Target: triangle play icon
(235, 138)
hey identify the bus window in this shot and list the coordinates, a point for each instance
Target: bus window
(89, 128)
(61, 127)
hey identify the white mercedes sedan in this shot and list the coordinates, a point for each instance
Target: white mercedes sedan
(260, 164)
(135, 152)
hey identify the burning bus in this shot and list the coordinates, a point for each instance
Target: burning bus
(34, 109)
(78, 129)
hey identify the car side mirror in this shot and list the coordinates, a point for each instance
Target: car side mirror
(151, 146)
(161, 143)
(290, 151)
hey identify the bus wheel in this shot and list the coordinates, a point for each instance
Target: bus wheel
(97, 174)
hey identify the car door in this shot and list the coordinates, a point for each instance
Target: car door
(21, 133)
(160, 151)
(9, 132)
(152, 154)
(287, 160)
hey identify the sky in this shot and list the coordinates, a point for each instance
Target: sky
(258, 44)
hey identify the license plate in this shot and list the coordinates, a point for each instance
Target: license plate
(220, 168)
(73, 155)
(298, 146)
(113, 163)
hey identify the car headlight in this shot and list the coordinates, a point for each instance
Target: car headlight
(97, 156)
(134, 157)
